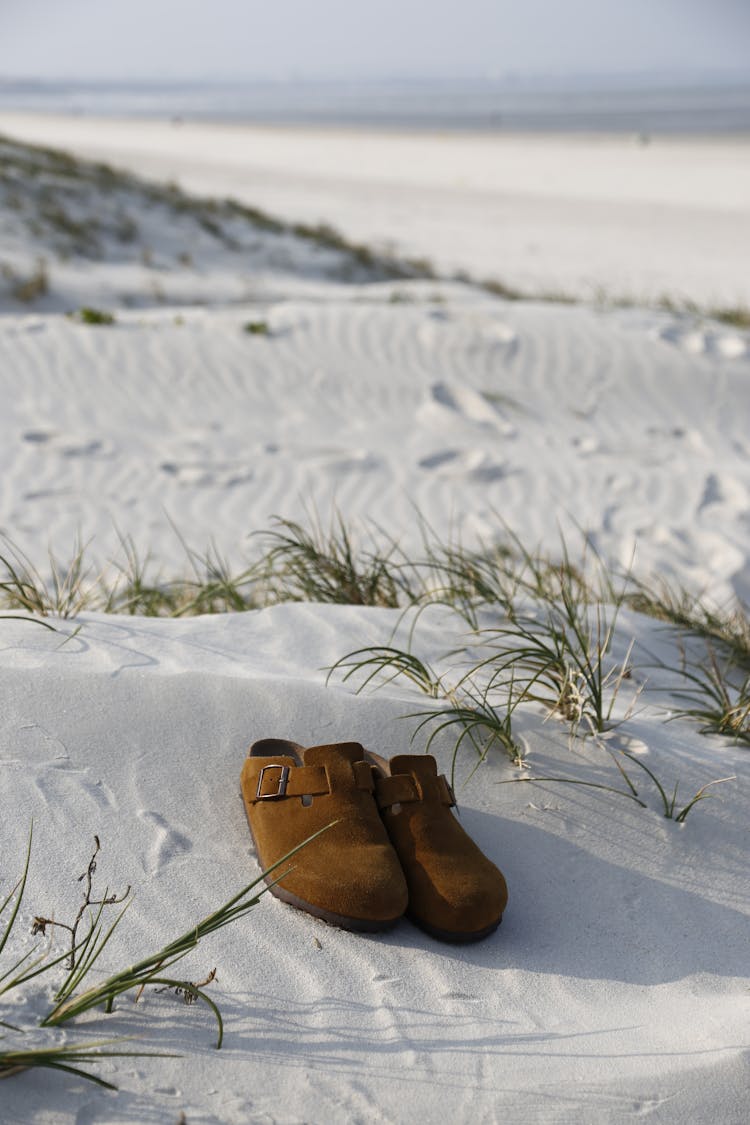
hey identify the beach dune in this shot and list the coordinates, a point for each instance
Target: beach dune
(237, 379)
(579, 215)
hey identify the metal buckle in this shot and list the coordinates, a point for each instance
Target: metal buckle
(281, 787)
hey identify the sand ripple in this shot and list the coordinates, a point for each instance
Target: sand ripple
(469, 409)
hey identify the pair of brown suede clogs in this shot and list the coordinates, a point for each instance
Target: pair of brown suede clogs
(393, 847)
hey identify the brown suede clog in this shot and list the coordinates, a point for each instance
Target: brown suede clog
(455, 892)
(350, 875)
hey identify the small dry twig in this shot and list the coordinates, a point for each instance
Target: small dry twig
(39, 925)
(188, 989)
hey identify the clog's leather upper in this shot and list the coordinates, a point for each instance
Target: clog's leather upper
(453, 888)
(351, 870)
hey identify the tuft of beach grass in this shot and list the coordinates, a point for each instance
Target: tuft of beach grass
(545, 629)
(74, 996)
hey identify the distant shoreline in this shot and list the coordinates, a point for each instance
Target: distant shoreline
(382, 129)
(429, 106)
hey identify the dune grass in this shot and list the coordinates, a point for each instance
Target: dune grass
(77, 208)
(668, 803)
(73, 997)
(538, 635)
(96, 317)
(65, 590)
(319, 564)
(68, 1057)
(716, 694)
(81, 208)
(27, 287)
(728, 627)
(543, 631)
(481, 703)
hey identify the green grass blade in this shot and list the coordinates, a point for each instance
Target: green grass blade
(701, 795)
(143, 971)
(654, 778)
(61, 1058)
(79, 1073)
(19, 888)
(575, 781)
(32, 620)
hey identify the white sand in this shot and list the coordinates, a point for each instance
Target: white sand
(545, 214)
(617, 987)
(631, 425)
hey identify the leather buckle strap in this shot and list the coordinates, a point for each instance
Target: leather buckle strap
(363, 778)
(276, 781)
(403, 788)
(398, 789)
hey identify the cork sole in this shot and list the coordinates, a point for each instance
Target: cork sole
(455, 937)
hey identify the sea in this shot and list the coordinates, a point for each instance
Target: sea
(637, 105)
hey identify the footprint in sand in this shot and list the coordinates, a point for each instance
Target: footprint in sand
(338, 459)
(206, 474)
(696, 341)
(730, 347)
(464, 462)
(61, 784)
(726, 490)
(357, 460)
(463, 400)
(167, 843)
(586, 444)
(690, 340)
(38, 437)
(68, 445)
(441, 459)
(83, 448)
(48, 493)
(470, 405)
(617, 740)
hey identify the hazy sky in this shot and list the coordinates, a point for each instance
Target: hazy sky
(227, 39)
